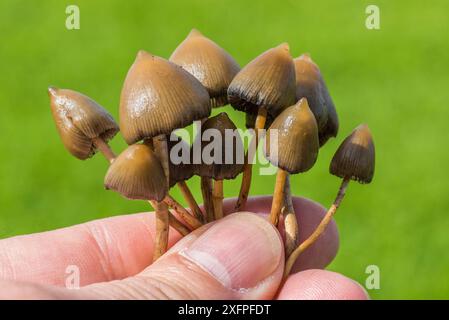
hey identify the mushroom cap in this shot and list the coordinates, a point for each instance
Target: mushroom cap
(268, 81)
(297, 146)
(159, 96)
(179, 170)
(310, 84)
(355, 157)
(209, 63)
(137, 174)
(223, 170)
(79, 119)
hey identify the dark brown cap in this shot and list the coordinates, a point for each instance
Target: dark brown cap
(297, 146)
(79, 119)
(310, 85)
(209, 63)
(355, 156)
(137, 174)
(231, 162)
(180, 160)
(159, 96)
(268, 81)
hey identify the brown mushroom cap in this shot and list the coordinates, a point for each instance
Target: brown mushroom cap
(297, 146)
(137, 174)
(209, 63)
(268, 81)
(158, 97)
(310, 84)
(79, 119)
(223, 170)
(179, 171)
(355, 157)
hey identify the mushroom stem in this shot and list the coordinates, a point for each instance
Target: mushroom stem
(206, 190)
(218, 199)
(104, 148)
(188, 196)
(319, 230)
(182, 212)
(247, 170)
(162, 220)
(173, 221)
(290, 221)
(162, 223)
(278, 197)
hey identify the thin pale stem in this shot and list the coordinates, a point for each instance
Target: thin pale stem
(206, 190)
(218, 199)
(278, 197)
(104, 148)
(188, 196)
(182, 212)
(318, 231)
(162, 228)
(247, 169)
(290, 220)
(174, 221)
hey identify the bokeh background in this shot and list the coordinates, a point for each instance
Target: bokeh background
(395, 79)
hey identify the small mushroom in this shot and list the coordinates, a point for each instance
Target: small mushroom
(354, 160)
(265, 86)
(295, 150)
(310, 84)
(158, 97)
(224, 139)
(83, 125)
(209, 63)
(137, 174)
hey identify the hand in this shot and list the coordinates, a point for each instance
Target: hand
(217, 261)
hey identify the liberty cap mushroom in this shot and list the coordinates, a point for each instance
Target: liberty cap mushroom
(224, 165)
(158, 97)
(310, 84)
(265, 86)
(83, 125)
(209, 63)
(354, 160)
(295, 150)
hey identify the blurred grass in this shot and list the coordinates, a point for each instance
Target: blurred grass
(395, 79)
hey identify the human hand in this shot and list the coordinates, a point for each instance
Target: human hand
(238, 257)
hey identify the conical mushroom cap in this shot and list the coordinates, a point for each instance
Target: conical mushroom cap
(297, 146)
(268, 81)
(355, 156)
(158, 97)
(209, 63)
(231, 149)
(310, 85)
(79, 119)
(137, 174)
(180, 169)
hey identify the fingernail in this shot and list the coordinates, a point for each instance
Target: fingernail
(239, 251)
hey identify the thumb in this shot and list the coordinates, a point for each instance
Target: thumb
(238, 257)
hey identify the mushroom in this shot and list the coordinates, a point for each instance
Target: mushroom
(137, 174)
(209, 63)
(265, 87)
(225, 147)
(295, 150)
(83, 125)
(310, 85)
(354, 160)
(215, 69)
(158, 97)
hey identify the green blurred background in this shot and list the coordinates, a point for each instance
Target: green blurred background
(395, 79)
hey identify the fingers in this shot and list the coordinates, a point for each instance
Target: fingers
(238, 257)
(321, 285)
(103, 250)
(309, 215)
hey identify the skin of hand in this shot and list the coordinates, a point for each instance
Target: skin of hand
(239, 257)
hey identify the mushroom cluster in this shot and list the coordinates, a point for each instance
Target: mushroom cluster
(286, 104)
